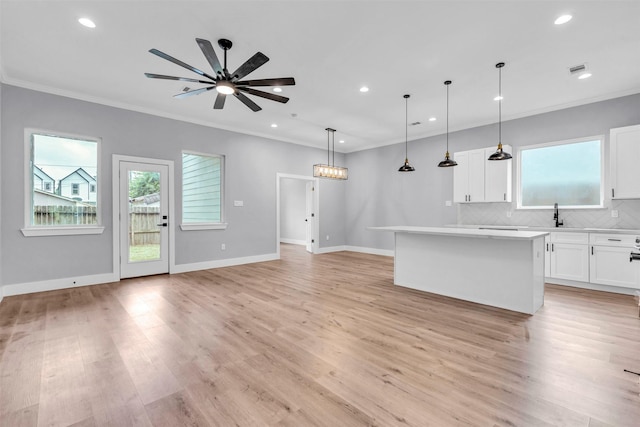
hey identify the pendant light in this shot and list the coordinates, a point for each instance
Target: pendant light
(330, 170)
(500, 154)
(406, 167)
(447, 162)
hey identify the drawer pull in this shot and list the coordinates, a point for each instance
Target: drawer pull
(614, 240)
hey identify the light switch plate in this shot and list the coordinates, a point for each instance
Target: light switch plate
(614, 213)
(447, 203)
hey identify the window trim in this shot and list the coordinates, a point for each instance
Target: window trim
(600, 138)
(196, 226)
(31, 230)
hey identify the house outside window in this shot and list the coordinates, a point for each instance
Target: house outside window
(62, 184)
(202, 191)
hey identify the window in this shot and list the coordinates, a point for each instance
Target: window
(92, 188)
(569, 173)
(70, 165)
(202, 189)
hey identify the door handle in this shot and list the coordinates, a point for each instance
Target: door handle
(306, 220)
(164, 224)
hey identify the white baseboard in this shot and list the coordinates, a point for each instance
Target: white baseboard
(372, 251)
(293, 241)
(206, 265)
(55, 284)
(331, 249)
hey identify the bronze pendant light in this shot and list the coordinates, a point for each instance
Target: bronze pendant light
(500, 154)
(406, 167)
(447, 162)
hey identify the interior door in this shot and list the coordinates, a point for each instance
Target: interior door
(309, 216)
(144, 220)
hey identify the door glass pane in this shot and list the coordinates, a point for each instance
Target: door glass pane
(144, 216)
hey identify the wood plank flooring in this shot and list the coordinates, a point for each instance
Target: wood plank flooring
(324, 340)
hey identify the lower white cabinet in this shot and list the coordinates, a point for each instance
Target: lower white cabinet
(610, 263)
(568, 256)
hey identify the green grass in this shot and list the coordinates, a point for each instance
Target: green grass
(144, 253)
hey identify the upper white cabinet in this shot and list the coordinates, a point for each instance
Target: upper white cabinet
(477, 179)
(468, 176)
(625, 158)
(497, 177)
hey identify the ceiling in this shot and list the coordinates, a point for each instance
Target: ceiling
(331, 48)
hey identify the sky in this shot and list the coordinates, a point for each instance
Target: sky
(58, 156)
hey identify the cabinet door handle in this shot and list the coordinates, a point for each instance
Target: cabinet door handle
(504, 196)
(552, 247)
(547, 247)
(614, 240)
(613, 192)
(469, 197)
(591, 250)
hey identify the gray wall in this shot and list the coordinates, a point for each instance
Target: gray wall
(251, 167)
(293, 203)
(379, 195)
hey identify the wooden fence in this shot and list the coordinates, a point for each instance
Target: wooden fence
(143, 229)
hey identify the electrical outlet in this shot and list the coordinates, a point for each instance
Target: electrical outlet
(614, 213)
(448, 203)
(223, 247)
(508, 214)
(327, 237)
(238, 203)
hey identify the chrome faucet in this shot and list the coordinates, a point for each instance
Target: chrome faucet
(556, 216)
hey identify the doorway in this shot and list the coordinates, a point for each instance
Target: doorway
(297, 203)
(144, 201)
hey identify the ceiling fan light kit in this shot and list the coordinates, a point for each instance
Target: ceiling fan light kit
(447, 162)
(500, 154)
(330, 170)
(224, 82)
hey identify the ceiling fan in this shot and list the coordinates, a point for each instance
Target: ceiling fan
(224, 82)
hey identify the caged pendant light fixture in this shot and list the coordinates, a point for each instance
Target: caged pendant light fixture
(330, 170)
(406, 167)
(447, 162)
(500, 154)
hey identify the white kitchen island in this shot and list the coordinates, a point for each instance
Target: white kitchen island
(500, 268)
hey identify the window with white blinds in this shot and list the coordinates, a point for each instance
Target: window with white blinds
(202, 188)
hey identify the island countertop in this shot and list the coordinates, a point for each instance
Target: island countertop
(464, 232)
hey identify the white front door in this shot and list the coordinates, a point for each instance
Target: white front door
(309, 216)
(144, 219)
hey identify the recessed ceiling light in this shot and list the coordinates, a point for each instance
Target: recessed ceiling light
(498, 98)
(341, 141)
(432, 119)
(277, 89)
(563, 19)
(364, 89)
(274, 125)
(584, 76)
(87, 22)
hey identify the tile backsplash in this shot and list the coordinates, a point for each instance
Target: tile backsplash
(496, 214)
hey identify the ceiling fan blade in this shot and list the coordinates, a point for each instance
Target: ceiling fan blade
(271, 96)
(210, 54)
(246, 101)
(180, 63)
(253, 63)
(283, 81)
(182, 79)
(193, 92)
(219, 104)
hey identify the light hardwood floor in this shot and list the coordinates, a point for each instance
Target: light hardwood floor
(313, 340)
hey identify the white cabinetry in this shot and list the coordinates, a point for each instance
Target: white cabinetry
(468, 176)
(569, 256)
(610, 263)
(625, 158)
(497, 177)
(477, 179)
